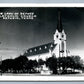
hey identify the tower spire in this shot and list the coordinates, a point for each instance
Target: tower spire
(59, 21)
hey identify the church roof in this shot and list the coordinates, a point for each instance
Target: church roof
(40, 49)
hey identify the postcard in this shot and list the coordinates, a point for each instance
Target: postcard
(41, 42)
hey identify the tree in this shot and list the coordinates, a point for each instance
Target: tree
(62, 61)
(52, 64)
(7, 65)
(78, 62)
(73, 62)
(19, 63)
(31, 66)
(41, 62)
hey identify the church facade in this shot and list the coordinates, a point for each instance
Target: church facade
(57, 47)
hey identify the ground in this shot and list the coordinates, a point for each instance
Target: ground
(25, 74)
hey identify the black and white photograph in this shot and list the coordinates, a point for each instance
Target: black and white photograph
(42, 41)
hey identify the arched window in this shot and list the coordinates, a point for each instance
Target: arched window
(45, 47)
(57, 36)
(30, 50)
(51, 45)
(35, 49)
(62, 35)
(40, 48)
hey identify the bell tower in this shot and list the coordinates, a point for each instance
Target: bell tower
(60, 36)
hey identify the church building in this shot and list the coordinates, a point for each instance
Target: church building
(57, 47)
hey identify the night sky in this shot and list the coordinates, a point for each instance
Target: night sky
(16, 36)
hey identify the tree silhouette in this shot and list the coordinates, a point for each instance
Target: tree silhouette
(41, 62)
(78, 62)
(31, 66)
(52, 64)
(19, 63)
(7, 65)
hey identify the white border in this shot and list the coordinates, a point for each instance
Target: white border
(42, 5)
(42, 78)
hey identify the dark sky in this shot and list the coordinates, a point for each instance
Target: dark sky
(18, 35)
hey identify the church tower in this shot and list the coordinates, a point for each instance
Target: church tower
(60, 37)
